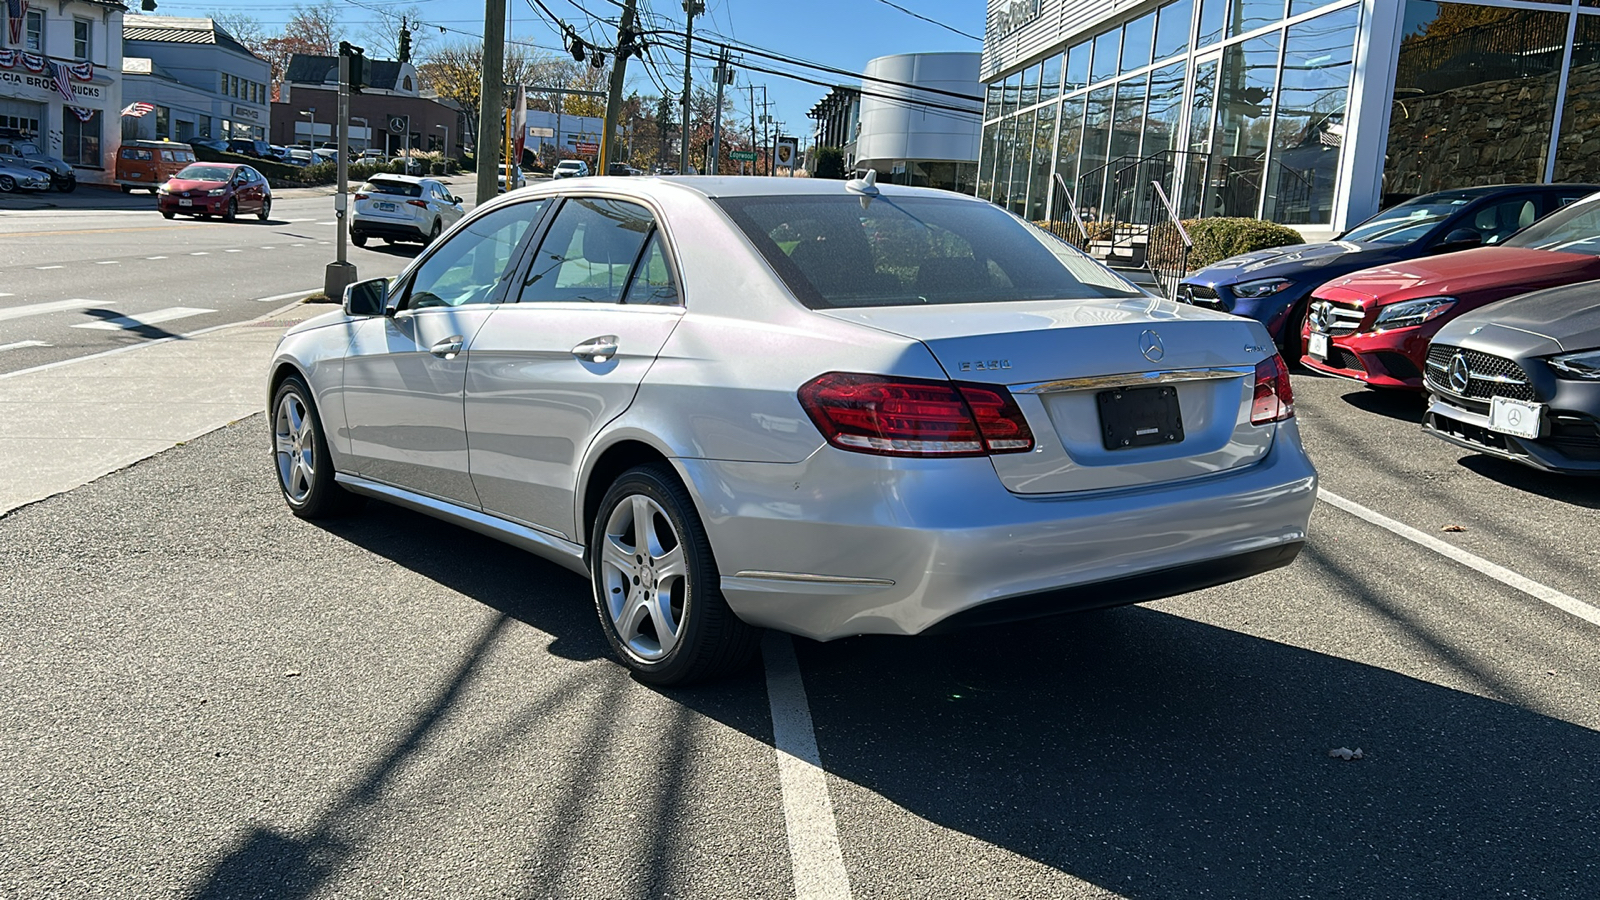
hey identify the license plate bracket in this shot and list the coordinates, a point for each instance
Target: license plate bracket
(386, 206)
(1517, 418)
(1317, 346)
(1140, 417)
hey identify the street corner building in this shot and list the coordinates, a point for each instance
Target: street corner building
(61, 79)
(201, 82)
(1310, 113)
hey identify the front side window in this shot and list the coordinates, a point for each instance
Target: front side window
(588, 253)
(33, 31)
(1574, 229)
(1408, 221)
(80, 38)
(913, 251)
(467, 268)
(80, 139)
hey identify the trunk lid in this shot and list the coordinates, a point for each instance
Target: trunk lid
(1057, 358)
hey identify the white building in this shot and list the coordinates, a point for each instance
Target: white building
(1312, 113)
(932, 141)
(202, 82)
(81, 38)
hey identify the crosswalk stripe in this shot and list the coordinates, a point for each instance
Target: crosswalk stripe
(39, 309)
(125, 323)
(19, 345)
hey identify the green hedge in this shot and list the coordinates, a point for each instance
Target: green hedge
(284, 175)
(1216, 239)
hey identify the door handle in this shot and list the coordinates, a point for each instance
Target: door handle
(597, 350)
(447, 348)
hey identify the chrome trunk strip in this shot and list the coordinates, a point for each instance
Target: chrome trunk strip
(1133, 379)
(814, 579)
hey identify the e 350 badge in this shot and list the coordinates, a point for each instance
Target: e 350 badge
(980, 365)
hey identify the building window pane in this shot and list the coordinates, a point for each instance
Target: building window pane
(1009, 98)
(1050, 80)
(1044, 135)
(1030, 87)
(1211, 16)
(1308, 133)
(33, 31)
(81, 140)
(80, 39)
(1172, 29)
(1244, 111)
(1197, 166)
(1127, 125)
(1077, 74)
(1136, 38)
(1068, 143)
(1474, 97)
(163, 122)
(1021, 164)
(1096, 136)
(1578, 153)
(1248, 15)
(1166, 109)
(1296, 7)
(1007, 152)
(1105, 55)
(986, 161)
(991, 103)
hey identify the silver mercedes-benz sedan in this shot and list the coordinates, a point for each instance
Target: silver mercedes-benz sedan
(831, 408)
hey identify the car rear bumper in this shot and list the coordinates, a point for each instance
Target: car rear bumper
(400, 231)
(846, 544)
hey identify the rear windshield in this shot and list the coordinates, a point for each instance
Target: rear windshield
(205, 173)
(833, 253)
(398, 188)
(1574, 229)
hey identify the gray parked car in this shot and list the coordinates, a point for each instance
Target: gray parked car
(825, 407)
(15, 177)
(26, 153)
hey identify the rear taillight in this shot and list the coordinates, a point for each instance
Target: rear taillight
(914, 416)
(1274, 400)
(361, 196)
(421, 203)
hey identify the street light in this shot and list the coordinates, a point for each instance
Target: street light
(364, 124)
(446, 138)
(312, 112)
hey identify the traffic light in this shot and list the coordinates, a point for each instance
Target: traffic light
(405, 42)
(358, 65)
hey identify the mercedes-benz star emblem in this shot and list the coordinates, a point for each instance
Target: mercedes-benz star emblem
(1150, 346)
(1460, 373)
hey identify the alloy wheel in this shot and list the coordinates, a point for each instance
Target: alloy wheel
(7, 184)
(644, 577)
(295, 443)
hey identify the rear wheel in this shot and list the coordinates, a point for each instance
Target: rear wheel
(300, 454)
(266, 209)
(656, 585)
(126, 189)
(66, 184)
(433, 234)
(360, 240)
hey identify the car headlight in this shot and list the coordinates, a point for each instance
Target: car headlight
(216, 192)
(1265, 287)
(161, 190)
(1584, 366)
(1411, 313)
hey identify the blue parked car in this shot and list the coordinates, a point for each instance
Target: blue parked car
(1274, 286)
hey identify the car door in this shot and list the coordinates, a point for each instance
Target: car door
(449, 210)
(404, 373)
(595, 305)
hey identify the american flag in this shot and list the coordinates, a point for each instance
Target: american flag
(16, 10)
(137, 110)
(63, 79)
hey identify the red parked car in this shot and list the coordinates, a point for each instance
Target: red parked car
(216, 189)
(1375, 325)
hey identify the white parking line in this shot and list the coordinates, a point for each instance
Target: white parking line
(39, 309)
(108, 262)
(807, 810)
(125, 323)
(45, 268)
(234, 250)
(292, 295)
(155, 257)
(19, 345)
(269, 248)
(200, 253)
(4, 294)
(1505, 576)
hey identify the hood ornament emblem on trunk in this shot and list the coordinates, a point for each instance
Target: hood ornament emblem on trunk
(1150, 346)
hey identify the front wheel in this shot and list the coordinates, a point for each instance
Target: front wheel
(300, 455)
(232, 212)
(656, 584)
(7, 184)
(1289, 345)
(166, 214)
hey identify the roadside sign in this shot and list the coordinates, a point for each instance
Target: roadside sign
(743, 156)
(397, 124)
(539, 131)
(586, 147)
(785, 152)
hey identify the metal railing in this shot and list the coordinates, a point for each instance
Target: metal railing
(1167, 244)
(1064, 221)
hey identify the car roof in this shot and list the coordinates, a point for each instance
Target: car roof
(387, 176)
(1489, 190)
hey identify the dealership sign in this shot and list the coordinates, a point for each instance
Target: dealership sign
(1013, 15)
(45, 86)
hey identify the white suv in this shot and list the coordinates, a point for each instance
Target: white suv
(570, 168)
(402, 208)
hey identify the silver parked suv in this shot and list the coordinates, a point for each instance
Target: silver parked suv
(402, 208)
(830, 408)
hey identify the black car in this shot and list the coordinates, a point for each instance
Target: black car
(258, 149)
(1520, 379)
(1274, 286)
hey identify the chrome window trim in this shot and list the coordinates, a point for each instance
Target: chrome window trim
(1134, 379)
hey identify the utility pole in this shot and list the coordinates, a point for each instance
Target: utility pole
(714, 159)
(691, 8)
(619, 65)
(766, 118)
(340, 274)
(491, 97)
(756, 162)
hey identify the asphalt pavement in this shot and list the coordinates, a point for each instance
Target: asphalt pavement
(210, 698)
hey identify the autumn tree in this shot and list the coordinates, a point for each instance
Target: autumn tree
(455, 71)
(381, 37)
(313, 30)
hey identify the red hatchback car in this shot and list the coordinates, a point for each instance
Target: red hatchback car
(1375, 325)
(216, 189)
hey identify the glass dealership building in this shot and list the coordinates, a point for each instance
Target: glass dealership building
(1313, 113)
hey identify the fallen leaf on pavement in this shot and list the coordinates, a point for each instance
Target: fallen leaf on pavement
(1345, 753)
(1455, 528)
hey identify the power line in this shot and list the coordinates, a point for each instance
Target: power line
(924, 18)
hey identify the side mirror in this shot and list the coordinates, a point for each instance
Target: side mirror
(454, 199)
(367, 298)
(1460, 239)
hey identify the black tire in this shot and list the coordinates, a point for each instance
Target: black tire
(167, 214)
(126, 189)
(7, 184)
(308, 488)
(710, 640)
(232, 212)
(66, 184)
(266, 209)
(357, 238)
(1289, 345)
(433, 234)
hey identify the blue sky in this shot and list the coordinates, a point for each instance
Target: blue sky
(840, 33)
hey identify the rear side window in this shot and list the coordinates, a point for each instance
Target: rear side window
(588, 253)
(833, 252)
(135, 153)
(397, 188)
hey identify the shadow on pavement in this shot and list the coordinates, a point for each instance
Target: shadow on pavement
(1406, 406)
(1578, 490)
